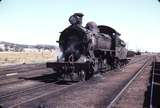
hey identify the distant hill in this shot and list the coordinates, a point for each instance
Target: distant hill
(7, 46)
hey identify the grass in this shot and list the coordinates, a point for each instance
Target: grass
(26, 57)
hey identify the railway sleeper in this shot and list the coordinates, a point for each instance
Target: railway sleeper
(155, 85)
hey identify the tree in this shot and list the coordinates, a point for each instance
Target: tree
(6, 47)
(1, 49)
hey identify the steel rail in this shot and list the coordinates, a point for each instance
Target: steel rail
(14, 93)
(36, 87)
(129, 83)
(135, 61)
(25, 91)
(42, 95)
(152, 83)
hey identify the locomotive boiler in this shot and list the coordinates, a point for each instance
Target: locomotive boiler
(88, 50)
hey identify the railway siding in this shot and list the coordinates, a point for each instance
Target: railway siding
(154, 88)
(43, 90)
(96, 92)
(134, 96)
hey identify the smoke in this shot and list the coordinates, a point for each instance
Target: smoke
(72, 49)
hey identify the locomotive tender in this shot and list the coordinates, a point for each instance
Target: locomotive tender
(88, 50)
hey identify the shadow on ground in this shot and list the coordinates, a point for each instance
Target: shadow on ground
(156, 90)
(50, 78)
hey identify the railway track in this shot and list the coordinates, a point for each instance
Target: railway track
(30, 95)
(155, 84)
(10, 99)
(15, 70)
(37, 92)
(13, 99)
(22, 76)
(144, 91)
(21, 72)
(128, 84)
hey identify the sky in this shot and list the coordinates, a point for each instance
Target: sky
(40, 21)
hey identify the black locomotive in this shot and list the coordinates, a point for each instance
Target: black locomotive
(88, 50)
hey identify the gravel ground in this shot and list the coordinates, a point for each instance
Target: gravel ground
(135, 95)
(95, 93)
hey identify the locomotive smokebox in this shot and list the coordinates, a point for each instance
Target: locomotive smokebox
(73, 42)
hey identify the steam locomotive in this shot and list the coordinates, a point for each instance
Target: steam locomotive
(88, 50)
